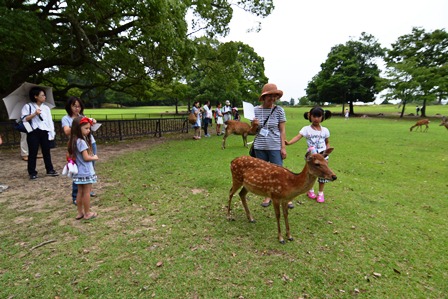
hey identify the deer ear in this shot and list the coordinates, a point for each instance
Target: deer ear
(328, 151)
(308, 156)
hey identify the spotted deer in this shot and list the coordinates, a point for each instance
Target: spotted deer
(419, 124)
(444, 122)
(278, 183)
(239, 128)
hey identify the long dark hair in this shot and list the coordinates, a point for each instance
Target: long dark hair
(75, 134)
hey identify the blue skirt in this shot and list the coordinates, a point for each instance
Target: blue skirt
(85, 180)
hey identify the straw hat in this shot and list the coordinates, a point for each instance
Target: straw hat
(270, 88)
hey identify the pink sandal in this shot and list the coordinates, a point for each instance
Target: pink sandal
(311, 195)
(320, 198)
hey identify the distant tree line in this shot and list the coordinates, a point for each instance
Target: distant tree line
(416, 70)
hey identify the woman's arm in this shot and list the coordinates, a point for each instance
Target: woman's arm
(33, 115)
(67, 130)
(281, 127)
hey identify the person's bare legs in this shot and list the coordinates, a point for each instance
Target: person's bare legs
(84, 190)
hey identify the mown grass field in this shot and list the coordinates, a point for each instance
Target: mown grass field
(293, 112)
(162, 230)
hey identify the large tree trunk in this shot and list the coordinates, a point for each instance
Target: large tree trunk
(403, 108)
(423, 110)
(352, 111)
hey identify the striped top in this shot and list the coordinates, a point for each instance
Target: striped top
(272, 141)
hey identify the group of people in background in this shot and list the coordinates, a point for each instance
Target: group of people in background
(205, 116)
(81, 148)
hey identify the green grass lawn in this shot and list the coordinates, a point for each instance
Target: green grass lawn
(293, 112)
(162, 230)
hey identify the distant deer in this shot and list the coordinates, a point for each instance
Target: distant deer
(278, 183)
(444, 122)
(240, 128)
(420, 123)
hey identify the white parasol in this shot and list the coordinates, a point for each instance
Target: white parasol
(15, 101)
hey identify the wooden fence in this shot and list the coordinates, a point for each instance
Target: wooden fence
(109, 130)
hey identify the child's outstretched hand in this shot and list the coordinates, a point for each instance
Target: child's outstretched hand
(94, 157)
(287, 142)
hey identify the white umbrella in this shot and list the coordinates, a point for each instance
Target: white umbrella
(15, 101)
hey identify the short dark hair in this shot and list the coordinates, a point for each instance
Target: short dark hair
(34, 92)
(70, 102)
(317, 112)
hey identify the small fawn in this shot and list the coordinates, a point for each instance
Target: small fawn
(240, 128)
(419, 124)
(278, 183)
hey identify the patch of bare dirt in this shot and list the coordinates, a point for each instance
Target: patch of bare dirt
(45, 193)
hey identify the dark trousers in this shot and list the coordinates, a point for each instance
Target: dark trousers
(206, 122)
(35, 139)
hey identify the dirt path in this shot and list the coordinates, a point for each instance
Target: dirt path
(50, 190)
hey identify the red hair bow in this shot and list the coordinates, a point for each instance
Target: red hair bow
(85, 120)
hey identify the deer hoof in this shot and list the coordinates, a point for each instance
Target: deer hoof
(290, 239)
(282, 241)
(252, 221)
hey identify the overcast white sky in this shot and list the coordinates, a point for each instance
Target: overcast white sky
(297, 37)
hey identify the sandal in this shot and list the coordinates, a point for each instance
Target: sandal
(93, 215)
(79, 217)
(266, 204)
(311, 195)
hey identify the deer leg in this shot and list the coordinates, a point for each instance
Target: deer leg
(245, 140)
(224, 140)
(243, 194)
(234, 188)
(285, 215)
(276, 205)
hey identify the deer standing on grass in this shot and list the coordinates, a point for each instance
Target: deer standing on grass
(240, 128)
(420, 123)
(278, 183)
(444, 122)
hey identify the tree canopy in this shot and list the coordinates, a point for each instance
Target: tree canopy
(107, 44)
(417, 66)
(226, 71)
(349, 74)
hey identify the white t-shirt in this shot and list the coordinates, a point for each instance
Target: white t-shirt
(208, 112)
(315, 138)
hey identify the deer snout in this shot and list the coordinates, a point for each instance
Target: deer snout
(334, 177)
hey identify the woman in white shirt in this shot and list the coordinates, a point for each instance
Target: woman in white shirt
(39, 116)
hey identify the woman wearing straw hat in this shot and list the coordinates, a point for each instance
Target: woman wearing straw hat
(269, 144)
